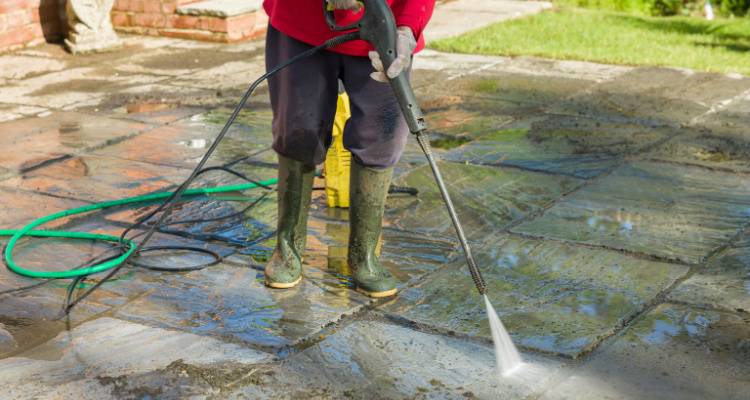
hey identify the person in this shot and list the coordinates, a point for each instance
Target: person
(303, 100)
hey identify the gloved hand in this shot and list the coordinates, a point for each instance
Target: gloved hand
(405, 45)
(353, 5)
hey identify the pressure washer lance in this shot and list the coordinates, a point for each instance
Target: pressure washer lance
(378, 27)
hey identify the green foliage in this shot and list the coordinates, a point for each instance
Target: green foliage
(664, 7)
(737, 8)
(578, 34)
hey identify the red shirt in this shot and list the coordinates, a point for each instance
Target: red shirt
(304, 20)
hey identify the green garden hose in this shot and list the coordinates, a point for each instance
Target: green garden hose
(72, 273)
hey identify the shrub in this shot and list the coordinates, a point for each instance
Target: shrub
(665, 7)
(737, 8)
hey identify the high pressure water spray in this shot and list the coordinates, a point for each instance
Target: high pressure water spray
(378, 27)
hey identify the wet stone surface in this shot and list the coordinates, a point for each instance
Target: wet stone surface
(706, 148)
(96, 359)
(374, 360)
(229, 301)
(94, 178)
(487, 199)
(724, 283)
(674, 352)
(551, 297)
(580, 147)
(16, 213)
(665, 210)
(654, 96)
(37, 140)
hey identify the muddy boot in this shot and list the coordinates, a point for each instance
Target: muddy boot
(284, 269)
(369, 188)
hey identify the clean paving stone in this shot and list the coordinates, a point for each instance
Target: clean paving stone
(671, 211)
(97, 178)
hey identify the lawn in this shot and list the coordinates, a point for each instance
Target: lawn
(592, 35)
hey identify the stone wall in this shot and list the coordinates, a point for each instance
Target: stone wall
(27, 22)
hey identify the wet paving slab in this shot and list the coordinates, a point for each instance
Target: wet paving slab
(181, 144)
(579, 147)
(16, 211)
(35, 315)
(232, 303)
(724, 283)
(720, 140)
(97, 358)
(376, 360)
(95, 178)
(516, 88)
(669, 211)
(655, 96)
(37, 140)
(487, 199)
(673, 352)
(552, 297)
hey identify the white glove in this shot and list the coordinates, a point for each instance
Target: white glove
(405, 45)
(345, 4)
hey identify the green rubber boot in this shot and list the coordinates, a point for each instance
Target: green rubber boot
(369, 188)
(284, 269)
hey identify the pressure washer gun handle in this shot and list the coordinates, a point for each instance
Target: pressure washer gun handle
(378, 27)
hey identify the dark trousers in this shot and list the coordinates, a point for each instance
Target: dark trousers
(303, 99)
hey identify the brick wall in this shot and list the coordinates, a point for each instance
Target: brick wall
(159, 18)
(28, 22)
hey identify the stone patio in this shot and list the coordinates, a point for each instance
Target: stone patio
(608, 208)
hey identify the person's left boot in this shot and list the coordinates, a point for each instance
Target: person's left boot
(368, 192)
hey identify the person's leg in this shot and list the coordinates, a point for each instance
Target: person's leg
(376, 135)
(303, 99)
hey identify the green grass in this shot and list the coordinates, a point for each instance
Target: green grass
(591, 35)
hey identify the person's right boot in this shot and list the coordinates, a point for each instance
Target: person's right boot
(284, 269)
(369, 189)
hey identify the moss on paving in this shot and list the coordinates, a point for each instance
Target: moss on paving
(720, 46)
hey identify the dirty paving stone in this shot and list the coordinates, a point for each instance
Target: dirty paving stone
(671, 211)
(487, 199)
(654, 96)
(94, 178)
(579, 147)
(724, 282)
(674, 352)
(552, 297)
(518, 88)
(373, 360)
(88, 360)
(720, 140)
(703, 147)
